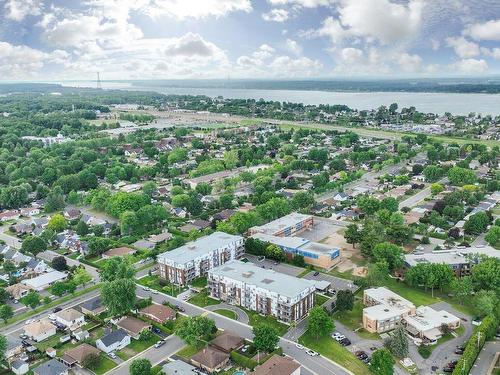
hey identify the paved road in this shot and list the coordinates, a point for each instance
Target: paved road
(485, 358)
(241, 316)
(12, 241)
(48, 255)
(420, 196)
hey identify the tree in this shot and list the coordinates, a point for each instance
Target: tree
(302, 199)
(195, 328)
(81, 276)
(57, 223)
(9, 266)
(32, 299)
(116, 268)
(118, 296)
(377, 273)
(203, 188)
(58, 288)
(3, 347)
(59, 263)
(486, 275)
(352, 234)
(390, 204)
(55, 200)
(372, 233)
(493, 236)
(6, 312)
(82, 229)
(436, 188)
(345, 300)
(430, 275)
(298, 260)
(33, 245)
(477, 223)
(265, 338)
(462, 288)
(274, 252)
(140, 367)
(98, 245)
(461, 176)
(382, 362)
(129, 223)
(433, 173)
(91, 361)
(368, 204)
(390, 253)
(485, 302)
(397, 343)
(149, 188)
(320, 323)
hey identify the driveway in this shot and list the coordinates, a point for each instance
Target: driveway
(485, 358)
(336, 283)
(241, 315)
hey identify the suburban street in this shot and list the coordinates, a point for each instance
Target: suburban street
(420, 196)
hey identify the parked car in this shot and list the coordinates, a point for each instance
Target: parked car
(476, 321)
(156, 330)
(179, 308)
(57, 309)
(299, 346)
(312, 353)
(245, 348)
(447, 369)
(112, 355)
(23, 336)
(316, 273)
(345, 342)
(459, 350)
(159, 343)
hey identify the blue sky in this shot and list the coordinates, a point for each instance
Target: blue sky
(141, 39)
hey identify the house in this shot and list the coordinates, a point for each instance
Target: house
(78, 354)
(210, 359)
(227, 342)
(144, 245)
(22, 228)
(159, 238)
(51, 367)
(178, 367)
(158, 313)
(81, 335)
(37, 266)
(14, 346)
(51, 352)
(180, 212)
(9, 215)
(70, 318)
(45, 280)
(17, 291)
(93, 306)
(72, 214)
(29, 211)
(195, 225)
(115, 340)
(133, 326)
(278, 365)
(118, 252)
(19, 367)
(40, 330)
(224, 215)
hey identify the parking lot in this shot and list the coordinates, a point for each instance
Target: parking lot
(336, 283)
(280, 267)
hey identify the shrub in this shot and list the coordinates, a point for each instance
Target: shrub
(424, 351)
(243, 361)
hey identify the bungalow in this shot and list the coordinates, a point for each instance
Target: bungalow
(52, 367)
(70, 318)
(9, 215)
(178, 211)
(178, 367)
(224, 215)
(22, 228)
(19, 367)
(278, 365)
(133, 326)
(161, 237)
(118, 252)
(40, 330)
(144, 245)
(72, 214)
(93, 306)
(29, 211)
(210, 359)
(17, 291)
(195, 225)
(78, 354)
(115, 340)
(227, 342)
(158, 313)
(45, 280)
(14, 346)
(37, 266)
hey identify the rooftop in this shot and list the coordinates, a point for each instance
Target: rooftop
(273, 281)
(427, 318)
(277, 225)
(452, 256)
(388, 297)
(277, 365)
(51, 367)
(200, 247)
(44, 279)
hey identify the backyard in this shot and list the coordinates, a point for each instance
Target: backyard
(154, 282)
(353, 320)
(256, 319)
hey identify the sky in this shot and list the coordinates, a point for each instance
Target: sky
(268, 39)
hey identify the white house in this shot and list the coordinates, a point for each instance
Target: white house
(70, 318)
(19, 367)
(115, 340)
(45, 280)
(40, 330)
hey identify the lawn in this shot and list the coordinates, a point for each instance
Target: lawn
(200, 282)
(256, 319)
(202, 299)
(105, 365)
(334, 351)
(227, 313)
(136, 346)
(320, 299)
(189, 350)
(153, 282)
(353, 320)
(49, 343)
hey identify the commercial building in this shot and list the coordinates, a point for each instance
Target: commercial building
(282, 232)
(262, 290)
(427, 323)
(195, 259)
(385, 309)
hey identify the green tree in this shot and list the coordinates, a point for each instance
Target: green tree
(33, 245)
(203, 188)
(32, 299)
(390, 204)
(57, 223)
(461, 176)
(140, 367)
(397, 343)
(477, 223)
(265, 338)
(91, 361)
(493, 236)
(274, 252)
(98, 245)
(129, 223)
(149, 188)
(390, 253)
(81, 276)
(320, 323)
(116, 268)
(118, 296)
(59, 263)
(486, 274)
(433, 173)
(436, 188)
(377, 273)
(82, 229)
(352, 235)
(345, 300)
(55, 200)
(3, 347)
(485, 302)
(6, 312)
(302, 199)
(462, 288)
(230, 159)
(195, 328)
(382, 362)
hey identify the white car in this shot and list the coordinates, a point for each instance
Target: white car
(299, 346)
(29, 321)
(146, 288)
(154, 291)
(312, 353)
(112, 355)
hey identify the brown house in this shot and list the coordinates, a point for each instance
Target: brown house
(78, 354)
(133, 326)
(227, 342)
(158, 313)
(278, 365)
(210, 359)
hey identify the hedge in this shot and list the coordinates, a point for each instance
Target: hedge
(484, 332)
(243, 361)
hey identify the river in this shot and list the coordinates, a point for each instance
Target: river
(460, 104)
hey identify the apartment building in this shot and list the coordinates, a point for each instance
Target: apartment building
(284, 231)
(427, 323)
(262, 290)
(194, 259)
(385, 309)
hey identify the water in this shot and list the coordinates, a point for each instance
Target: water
(459, 104)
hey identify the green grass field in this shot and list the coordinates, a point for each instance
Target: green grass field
(202, 299)
(189, 350)
(256, 319)
(354, 321)
(227, 313)
(320, 299)
(105, 365)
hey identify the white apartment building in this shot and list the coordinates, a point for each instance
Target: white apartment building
(194, 259)
(262, 290)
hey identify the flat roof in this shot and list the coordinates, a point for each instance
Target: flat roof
(44, 279)
(383, 312)
(387, 297)
(283, 222)
(200, 247)
(273, 281)
(451, 256)
(427, 318)
(292, 242)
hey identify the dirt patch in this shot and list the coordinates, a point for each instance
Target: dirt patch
(352, 260)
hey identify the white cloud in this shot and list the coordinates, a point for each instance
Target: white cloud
(494, 52)
(435, 44)
(285, 66)
(293, 46)
(381, 20)
(197, 9)
(470, 66)
(484, 31)
(192, 45)
(352, 55)
(17, 10)
(463, 48)
(409, 63)
(332, 29)
(303, 3)
(276, 15)
(264, 52)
